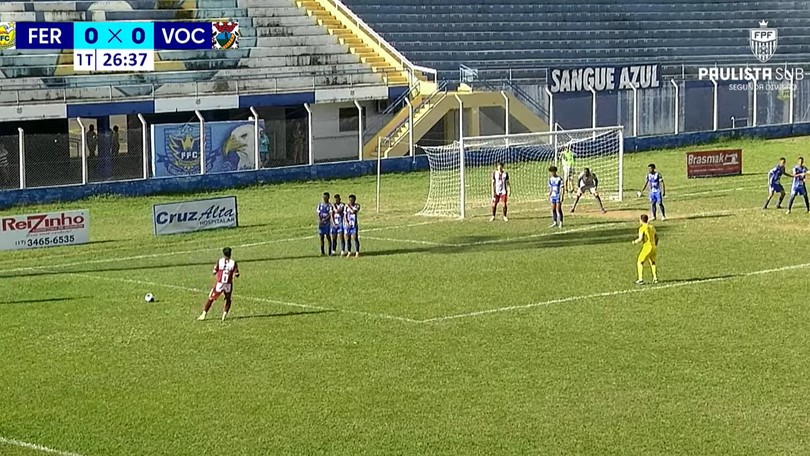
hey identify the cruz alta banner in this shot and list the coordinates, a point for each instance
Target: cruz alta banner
(582, 79)
(197, 215)
(229, 146)
(47, 229)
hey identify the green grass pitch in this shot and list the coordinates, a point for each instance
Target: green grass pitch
(446, 337)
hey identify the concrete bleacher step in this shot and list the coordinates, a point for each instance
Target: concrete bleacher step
(218, 4)
(298, 61)
(179, 14)
(277, 41)
(299, 50)
(357, 68)
(282, 48)
(265, 3)
(291, 11)
(6, 7)
(306, 30)
(288, 21)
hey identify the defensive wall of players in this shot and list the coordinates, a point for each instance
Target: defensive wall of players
(324, 171)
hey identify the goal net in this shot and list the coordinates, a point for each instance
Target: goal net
(461, 172)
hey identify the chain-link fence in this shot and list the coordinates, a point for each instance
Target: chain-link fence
(118, 155)
(684, 106)
(52, 160)
(801, 101)
(288, 141)
(9, 162)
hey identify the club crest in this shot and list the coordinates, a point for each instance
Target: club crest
(763, 41)
(184, 147)
(225, 35)
(8, 35)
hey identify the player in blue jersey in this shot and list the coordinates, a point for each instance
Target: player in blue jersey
(556, 194)
(350, 226)
(774, 184)
(323, 211)
(655, 181)
(337, 213)
(799, 188)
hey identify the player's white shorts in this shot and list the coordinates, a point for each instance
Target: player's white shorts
(587, 189)
(220, 288)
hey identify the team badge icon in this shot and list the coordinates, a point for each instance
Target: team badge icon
(763, 41)
(225, 35)
(8, 35)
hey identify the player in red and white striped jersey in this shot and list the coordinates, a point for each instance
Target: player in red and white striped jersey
(225, 270)
(500, 191)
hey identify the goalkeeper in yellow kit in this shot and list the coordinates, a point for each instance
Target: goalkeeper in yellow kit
(648, 239)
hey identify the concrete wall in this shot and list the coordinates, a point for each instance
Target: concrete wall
(328, 141)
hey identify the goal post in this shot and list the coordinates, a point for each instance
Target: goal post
(460, 173)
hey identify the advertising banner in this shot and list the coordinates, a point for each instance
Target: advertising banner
(47, 229)
(197, 215)
(229, 146)
(604, 78)
(713, 163)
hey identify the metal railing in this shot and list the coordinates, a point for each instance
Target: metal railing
(682, 71)
(11, 94)
(407, 65)
(739, 122)
(397, 134)
(391, 110)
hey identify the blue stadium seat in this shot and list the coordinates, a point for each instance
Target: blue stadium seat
(514, 33)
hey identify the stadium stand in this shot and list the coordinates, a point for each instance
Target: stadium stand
(528, 33)
(282, 48)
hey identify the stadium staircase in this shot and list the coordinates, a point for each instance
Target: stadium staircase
(283, 48)
(534, 33)
(361, 41)
(431, 108)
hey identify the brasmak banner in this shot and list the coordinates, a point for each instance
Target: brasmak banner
(229, 146)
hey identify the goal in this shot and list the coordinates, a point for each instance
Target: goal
(460, 172)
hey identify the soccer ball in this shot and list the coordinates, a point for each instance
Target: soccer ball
(149, 297)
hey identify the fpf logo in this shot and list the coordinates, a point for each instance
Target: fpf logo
(763, 41)
(8, 35)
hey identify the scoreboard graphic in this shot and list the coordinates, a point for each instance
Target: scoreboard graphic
(118, 46)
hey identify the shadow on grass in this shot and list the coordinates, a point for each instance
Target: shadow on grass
(105, 241)
(544, 239)
(699, 279)
(279, 315)
(40, 301)
(700, 217)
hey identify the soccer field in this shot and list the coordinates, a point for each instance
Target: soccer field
(445, 337)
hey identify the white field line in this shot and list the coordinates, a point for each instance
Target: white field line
(205, 249)
(240, 296)
(34, 446)
(614, 293)
(305, 237)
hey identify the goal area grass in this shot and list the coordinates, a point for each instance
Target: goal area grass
(446, 336)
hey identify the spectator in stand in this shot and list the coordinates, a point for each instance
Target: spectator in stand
(5, 167)
(92, 141)
(116, 141)
(264, 150)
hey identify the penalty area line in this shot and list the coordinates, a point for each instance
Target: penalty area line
(608, 294)
(204, 249)
(247, 297)
(34, 446)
